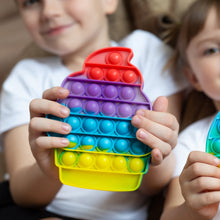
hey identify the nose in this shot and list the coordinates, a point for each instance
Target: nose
(50, 8)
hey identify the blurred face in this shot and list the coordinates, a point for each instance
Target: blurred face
(203, 55)
(67, 26)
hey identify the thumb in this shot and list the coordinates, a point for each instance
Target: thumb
(160, 104)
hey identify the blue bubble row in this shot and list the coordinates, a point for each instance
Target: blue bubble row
(107, 144)
(102, 126)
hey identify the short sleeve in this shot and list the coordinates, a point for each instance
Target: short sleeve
(27, 81)
(192, 138)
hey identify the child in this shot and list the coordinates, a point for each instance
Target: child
(72, 30)
(196, 193)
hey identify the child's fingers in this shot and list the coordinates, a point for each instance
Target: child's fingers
(199, 201)
(159, 131)
(153, 142)
(42, 107)
(156, 157)
(43, 143)
(163, 118)
(200, 169)
(160, 104)
(39, 125)
(204, 184)
(55, 93)
(202, 157)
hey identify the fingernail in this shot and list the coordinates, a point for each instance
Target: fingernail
(136, 120)
(142, 134)
(66, 127)
(64, 111)
(64, 142)
(217, 161)
(140, 112)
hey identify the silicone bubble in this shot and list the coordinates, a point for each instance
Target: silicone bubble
(77, 88)
(110, 91)
(94, 90)
(102, 162)
(90, 125)
(127, 93)
(129, 76)
(108, 109)
(124, 110)
(96, 73)
(113, 75)
(123, 128)
(75, 105)
(114, 58)
(218, 126)
(119, 163)
(104, 144)
(87, 142)
(106, 126)
(136, 164)
(92, 107)
(121, 145)
(73, 140)
(74, 122)
(85, 160)
(68, 158)
(138, 148)
(216, 146)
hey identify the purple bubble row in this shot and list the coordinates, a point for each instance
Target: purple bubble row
(111, 109)
(102, 90)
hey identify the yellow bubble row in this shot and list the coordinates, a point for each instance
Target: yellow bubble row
(100, 162)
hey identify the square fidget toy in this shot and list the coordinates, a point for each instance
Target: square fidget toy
(213, 137)
(104, 153)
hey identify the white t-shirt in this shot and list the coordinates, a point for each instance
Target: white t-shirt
(193, 138)
(31, 77)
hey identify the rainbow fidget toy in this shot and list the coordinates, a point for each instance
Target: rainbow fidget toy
(213, 137)
(104, 153)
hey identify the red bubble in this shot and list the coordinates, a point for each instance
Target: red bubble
(130, 76)
(113, 75)
(96, 73)
(115, 58)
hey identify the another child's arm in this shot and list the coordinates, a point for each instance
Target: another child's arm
(36, 183)
(159, 130)
(196, 193)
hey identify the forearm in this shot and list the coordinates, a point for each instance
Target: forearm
(31, 187)
(28, 184)
(158, 177)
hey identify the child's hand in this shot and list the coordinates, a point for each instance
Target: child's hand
(157, 129)
(41, 145)
(200, 184)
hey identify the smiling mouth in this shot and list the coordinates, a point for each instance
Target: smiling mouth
(57, 30)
